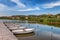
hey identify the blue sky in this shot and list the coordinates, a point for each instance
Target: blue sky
(29, 7)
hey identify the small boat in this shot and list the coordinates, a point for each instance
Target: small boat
(21, 27)
(15, 28)
(23, 31)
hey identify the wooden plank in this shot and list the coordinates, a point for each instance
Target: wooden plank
(5, 33)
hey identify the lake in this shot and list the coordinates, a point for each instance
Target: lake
(41, 32)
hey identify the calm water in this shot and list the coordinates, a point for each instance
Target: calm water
(41, 32)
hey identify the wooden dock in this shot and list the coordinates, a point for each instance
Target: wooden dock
(5, 33)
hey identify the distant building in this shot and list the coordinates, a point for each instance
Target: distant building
(49, 14)
(26, 17)
(58, 16)
(17, 17)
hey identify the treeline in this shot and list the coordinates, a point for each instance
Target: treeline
(47, 19)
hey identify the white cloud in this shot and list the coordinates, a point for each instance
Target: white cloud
(6, 8)
(2, 7)
(30, 9)
(51, 5)
(19, 4)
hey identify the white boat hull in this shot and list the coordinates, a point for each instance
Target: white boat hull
(22, 31)
(15, 28)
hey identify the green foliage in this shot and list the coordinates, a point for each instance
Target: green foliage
(39, 18)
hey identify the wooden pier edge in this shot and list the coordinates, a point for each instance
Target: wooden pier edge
(5, 33)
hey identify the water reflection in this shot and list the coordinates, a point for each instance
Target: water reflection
(25, 35)
(41, 32)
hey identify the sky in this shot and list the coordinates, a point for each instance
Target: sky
(29, 7)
